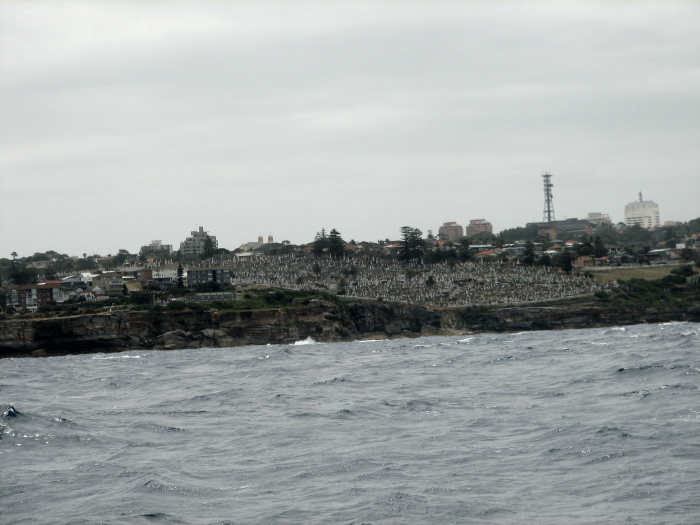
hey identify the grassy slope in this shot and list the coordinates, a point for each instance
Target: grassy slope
(655, 272)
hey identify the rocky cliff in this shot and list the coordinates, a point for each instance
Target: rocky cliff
(518, 319)
(113, 332)
(321, 320)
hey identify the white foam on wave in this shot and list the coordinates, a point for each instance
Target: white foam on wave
(307, 341)
(120, 357)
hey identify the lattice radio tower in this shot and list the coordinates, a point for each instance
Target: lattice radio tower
(548, 215)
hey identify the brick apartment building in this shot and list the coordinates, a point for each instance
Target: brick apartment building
(477, 226)
(30, 297)
(451, 231)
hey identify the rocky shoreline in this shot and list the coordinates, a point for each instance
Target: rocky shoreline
(321, 320)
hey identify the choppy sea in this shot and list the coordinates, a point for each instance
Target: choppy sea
(567, 427)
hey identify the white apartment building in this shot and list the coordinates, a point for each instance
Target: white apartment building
(644, 213)
(598, 219)
(194, 245)
(155, 246)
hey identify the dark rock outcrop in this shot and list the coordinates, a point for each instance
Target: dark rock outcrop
(321, 320)
(516, 319)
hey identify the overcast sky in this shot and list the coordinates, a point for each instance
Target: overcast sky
(124, 122)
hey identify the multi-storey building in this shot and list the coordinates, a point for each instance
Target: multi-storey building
(156, 246)
(451, 231)
(555, 228)
(642, 213)
(79, 280)
(598, 219)
(218, 274)
(194, 244)
(30, 297)
(111, 283)
(477, 226)
(162, 276)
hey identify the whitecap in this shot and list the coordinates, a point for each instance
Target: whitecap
(307, 341)
(120, 357)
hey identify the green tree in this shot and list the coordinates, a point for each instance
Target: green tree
(336, 245)
(463, 253)
(599, 249)
(544, 260)
(141, 298)
(529, 253)
(19, 274)
(607, 233)
(688, 254)
(566, 261)
(180, 279)
(519, 234)
(86, 263)
(485, 238)
(635, 235)
(584, 248)
(413, 244)
(121, 257)
(209, 287)
(320, 242)
(208, 248)
(685, 270)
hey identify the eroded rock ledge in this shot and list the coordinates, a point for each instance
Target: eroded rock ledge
(321, 320)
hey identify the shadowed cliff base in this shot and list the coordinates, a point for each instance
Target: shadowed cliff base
(320, 319)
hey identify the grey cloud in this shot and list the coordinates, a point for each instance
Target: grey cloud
(284, 116)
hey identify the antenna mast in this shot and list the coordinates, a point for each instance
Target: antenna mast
(548, 215)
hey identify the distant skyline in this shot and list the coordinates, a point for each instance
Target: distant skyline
(125, 122)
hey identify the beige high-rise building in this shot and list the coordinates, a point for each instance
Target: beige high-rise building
(478, 226)
(644, 213)
(451, 231)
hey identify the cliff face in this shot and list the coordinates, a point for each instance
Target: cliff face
(76, 334)
(113, 332)
(320, 320)
(518, 319)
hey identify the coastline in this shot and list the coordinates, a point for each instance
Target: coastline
(322, 321)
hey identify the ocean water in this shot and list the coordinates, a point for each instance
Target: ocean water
(576, 426)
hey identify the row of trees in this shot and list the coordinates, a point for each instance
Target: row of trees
(635, 240)
(332, 244)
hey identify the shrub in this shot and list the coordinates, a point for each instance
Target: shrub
(176, 306)
(141, 298)
(197, 307)
(686, 270)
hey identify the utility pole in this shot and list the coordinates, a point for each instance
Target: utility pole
(548, 215)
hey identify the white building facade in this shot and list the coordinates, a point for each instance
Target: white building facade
(194, 245)
(643, 213)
